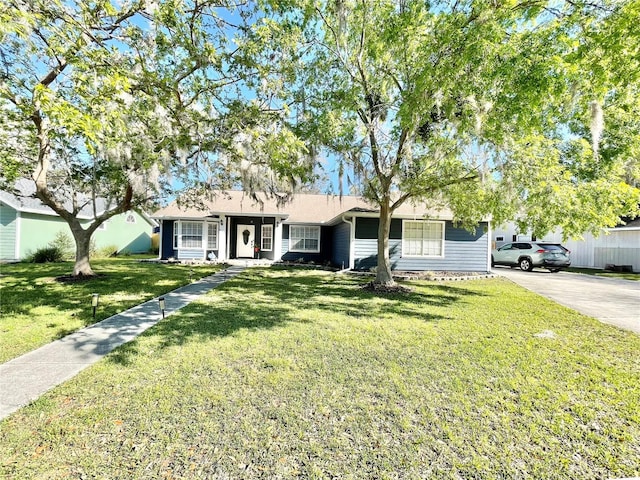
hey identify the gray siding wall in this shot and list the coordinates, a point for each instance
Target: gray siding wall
(463, 251)
(8, 227)
(285, 243)
(341, 238)
(194, 254)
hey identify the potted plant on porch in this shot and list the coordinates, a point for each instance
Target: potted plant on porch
(256, 250)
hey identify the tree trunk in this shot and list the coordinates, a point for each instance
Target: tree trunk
(383, 272)
(82, 266)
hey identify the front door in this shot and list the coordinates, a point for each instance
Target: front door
(245, 240)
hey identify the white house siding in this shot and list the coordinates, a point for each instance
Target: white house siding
(8, 231)
(620, 247)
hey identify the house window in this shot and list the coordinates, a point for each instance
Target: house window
(422, 239)
(176, 233)
(130, 218)
(191, 235)
(304, 239)
(500, 239)
(212, 236)
(266, 238)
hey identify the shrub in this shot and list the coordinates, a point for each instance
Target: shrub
(106, 252)
(63, 242)
(46, 254)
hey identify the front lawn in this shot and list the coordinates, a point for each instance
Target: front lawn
(35, 308)
(302, 374)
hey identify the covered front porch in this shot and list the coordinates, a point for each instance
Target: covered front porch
(222, 238)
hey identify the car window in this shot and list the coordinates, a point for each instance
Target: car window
(553, 248)
(523, 246)
(505, 247)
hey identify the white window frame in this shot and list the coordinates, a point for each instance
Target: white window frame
(176, 234)
(179, 234)
(269, 236)
(216, 227)
(182, 235)
(311, 228)
(424, 223)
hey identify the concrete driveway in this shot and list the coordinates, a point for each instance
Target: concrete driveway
(612, 301)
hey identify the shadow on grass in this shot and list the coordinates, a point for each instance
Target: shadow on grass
(263, 299)
(30, 286)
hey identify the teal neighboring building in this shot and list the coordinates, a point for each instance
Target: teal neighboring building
(27, 225)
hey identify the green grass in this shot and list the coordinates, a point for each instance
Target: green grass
(603, 273)
(302, 374)
(35, 308)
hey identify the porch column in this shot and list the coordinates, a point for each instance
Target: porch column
(277, 240)
(222, 239)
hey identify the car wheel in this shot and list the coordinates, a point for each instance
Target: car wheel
(525, 264)
(493, 264)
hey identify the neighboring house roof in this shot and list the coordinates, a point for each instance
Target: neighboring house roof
(302, 208)
(631, 224)
(28, 203)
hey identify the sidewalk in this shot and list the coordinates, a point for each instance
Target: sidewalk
(25, 378)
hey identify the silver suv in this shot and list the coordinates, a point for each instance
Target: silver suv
(528, 255)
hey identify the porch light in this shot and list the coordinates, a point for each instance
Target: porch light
(162, 305)
(94, 302)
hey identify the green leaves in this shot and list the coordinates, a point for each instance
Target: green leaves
(484, 105)
(120, 99)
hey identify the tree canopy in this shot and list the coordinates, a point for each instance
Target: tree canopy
(501, 109)
(123, 100)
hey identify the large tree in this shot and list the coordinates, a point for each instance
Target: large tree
(119, 100)
(490, 108)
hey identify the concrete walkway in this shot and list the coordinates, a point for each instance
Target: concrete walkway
(25, 378)
(611, 300)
